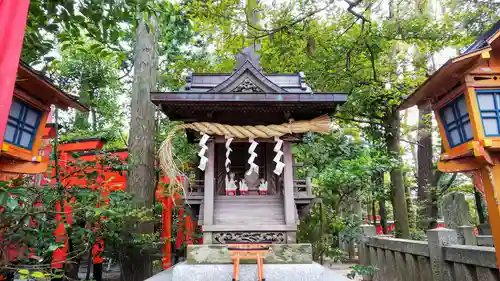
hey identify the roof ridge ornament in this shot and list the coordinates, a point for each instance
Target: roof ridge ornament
(248, 54)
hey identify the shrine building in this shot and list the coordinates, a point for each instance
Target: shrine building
(244, 190)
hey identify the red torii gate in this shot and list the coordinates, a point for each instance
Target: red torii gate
(111, 180)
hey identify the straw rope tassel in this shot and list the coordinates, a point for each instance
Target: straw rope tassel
(253, 155)
(277, 159)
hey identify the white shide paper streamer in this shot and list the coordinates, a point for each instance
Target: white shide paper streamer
(277, 159)
(204, 148)
(253, 155)
(228, 152)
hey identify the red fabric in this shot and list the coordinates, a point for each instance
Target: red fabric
(167, 204)
(13, 15)
(60, 254)
(180, 230)
(97, 251)
(189, 230)
(68, 210)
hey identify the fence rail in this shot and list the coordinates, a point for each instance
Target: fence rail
(439, 258)
(302, 187)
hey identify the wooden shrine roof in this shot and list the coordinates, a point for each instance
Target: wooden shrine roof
(246, 96)
(451, 73)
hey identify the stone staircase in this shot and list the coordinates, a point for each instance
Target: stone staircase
(236, 213)
(249, 210)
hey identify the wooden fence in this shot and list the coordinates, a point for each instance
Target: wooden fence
(440, 258)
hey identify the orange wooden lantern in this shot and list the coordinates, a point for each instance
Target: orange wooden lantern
(25, 124)
(465, 96)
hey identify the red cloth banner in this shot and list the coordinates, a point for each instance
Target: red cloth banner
(13, 15)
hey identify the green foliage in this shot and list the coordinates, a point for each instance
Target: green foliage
(360, 270)
(29, 218)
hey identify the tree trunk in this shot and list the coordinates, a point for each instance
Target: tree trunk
(478, 196)
(409, 205)
(368, 212)
(397, 184)
(383, 215)
(141, 177)
(374, 213)
(424, 165)
(82, 117)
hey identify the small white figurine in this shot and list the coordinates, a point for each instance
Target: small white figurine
(243, 187)
(231, 185)
(263, 187)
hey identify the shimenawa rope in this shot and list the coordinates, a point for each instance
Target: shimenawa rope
(166, 154)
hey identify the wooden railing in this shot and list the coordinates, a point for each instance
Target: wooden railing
(194, 187)
(441, 257)
(302, 187)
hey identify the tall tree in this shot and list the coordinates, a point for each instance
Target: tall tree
(141, 176)
(397, 183)
(425, 167)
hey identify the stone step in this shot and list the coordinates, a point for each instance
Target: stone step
(256, 208)
(249, 197)
(247, 206)
(249, 213)
(268, 213)
(253, 218)
(249, 221)
(247, 202)
(249, 227)
(259, 218)
(244, 199)
(248, 272)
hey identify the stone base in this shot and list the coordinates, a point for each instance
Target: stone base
(248, 272)
(278, 254)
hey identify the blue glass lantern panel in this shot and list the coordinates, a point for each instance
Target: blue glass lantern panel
(489, 108)
(456, 121)
(22, 124)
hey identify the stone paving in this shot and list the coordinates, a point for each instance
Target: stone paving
(335, 270)
(343, 269)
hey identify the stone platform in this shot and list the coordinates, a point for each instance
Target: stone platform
(248, 272)
(278, 254)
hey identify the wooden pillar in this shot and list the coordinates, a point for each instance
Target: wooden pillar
(491, 184)
(209, 191)
(309, 186)
(289, 200)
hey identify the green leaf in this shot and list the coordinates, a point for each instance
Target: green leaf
(4, 195)
(23, 271)
(12, 203)
(38, 274)
(53, 247)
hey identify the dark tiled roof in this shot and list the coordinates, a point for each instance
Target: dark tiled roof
(293, 83)
(482, 41)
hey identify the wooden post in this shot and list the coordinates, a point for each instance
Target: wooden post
(491, 184)
(309, 186)
(208, 194)
(185, 184)
(288, 184)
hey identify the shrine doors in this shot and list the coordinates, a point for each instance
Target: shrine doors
(239, 166)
